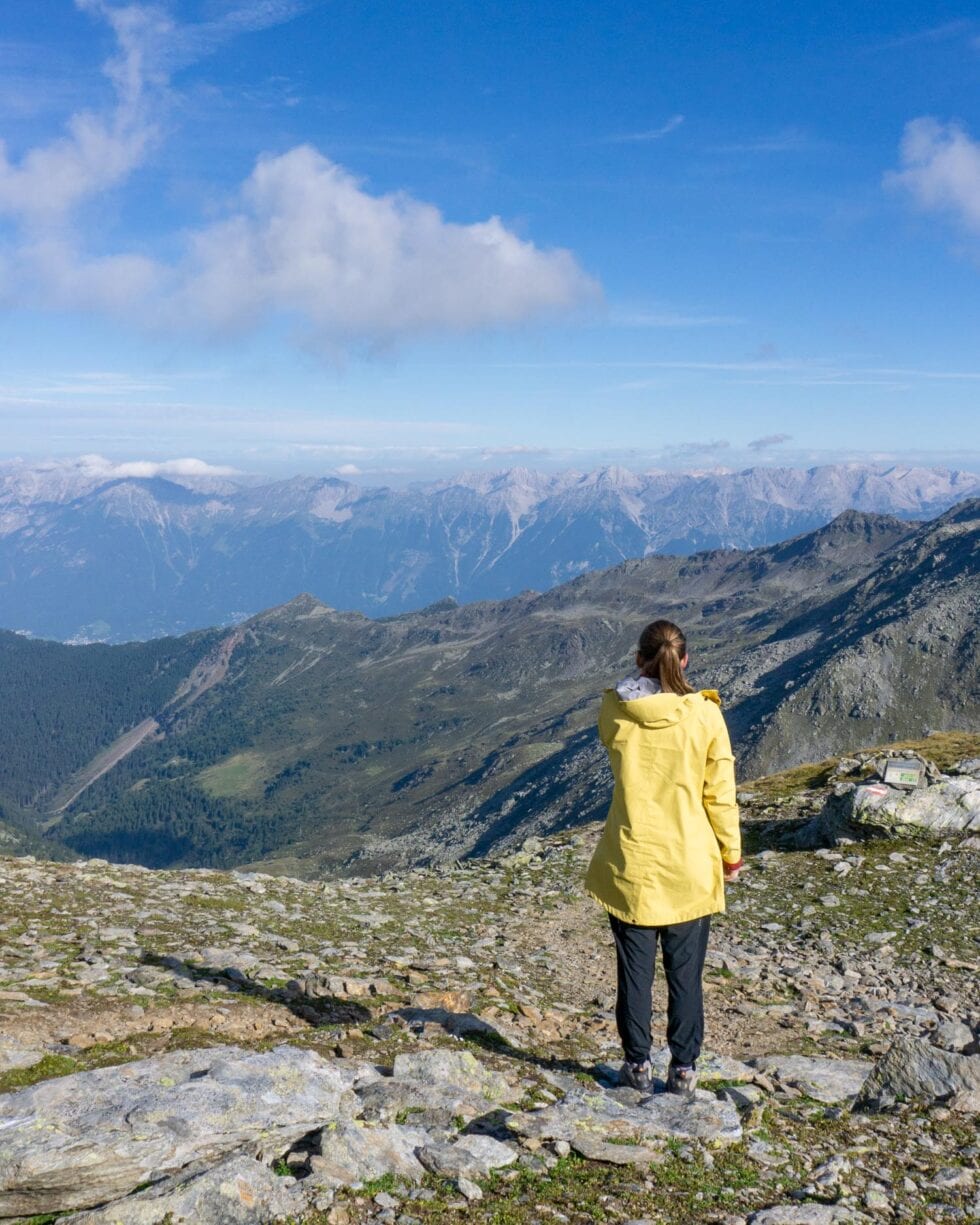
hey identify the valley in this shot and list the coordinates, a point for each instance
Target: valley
(310, 741)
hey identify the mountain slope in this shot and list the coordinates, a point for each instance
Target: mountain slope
(62, 705)
(335, 739)
(116, 559)
(313, 740)
(899, 654)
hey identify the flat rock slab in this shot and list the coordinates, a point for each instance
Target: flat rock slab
(83, 1140)
(427, 1105)
(468, 1157)
(808, 1214)
(239, 1191)
(351, 1153)
(914, 1068)
(15, 1055)
(594, 1148)
(454, 1068)
(826, 1080)
(589, 1117)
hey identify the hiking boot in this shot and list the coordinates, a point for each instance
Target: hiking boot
(682, 1080)
(637, 1076)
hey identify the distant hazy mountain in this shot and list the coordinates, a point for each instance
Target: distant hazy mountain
(85, 558)
(310, 740)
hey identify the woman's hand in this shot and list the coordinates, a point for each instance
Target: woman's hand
(731, 871)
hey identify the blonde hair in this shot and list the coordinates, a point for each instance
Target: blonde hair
(662, 647)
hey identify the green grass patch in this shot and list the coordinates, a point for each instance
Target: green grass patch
(240, 774)
(386, 1182)
(50, 1067)
(944, 748)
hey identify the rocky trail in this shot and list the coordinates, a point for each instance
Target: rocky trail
(437, 1045)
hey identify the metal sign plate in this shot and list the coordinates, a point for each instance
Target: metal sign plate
(900, 772)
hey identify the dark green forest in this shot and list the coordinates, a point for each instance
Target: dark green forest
(61, 705)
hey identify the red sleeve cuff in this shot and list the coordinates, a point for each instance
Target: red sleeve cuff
(730, 867)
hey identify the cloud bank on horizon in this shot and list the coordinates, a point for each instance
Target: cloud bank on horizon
(399, 465)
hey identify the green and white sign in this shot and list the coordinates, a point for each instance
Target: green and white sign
(900, 772)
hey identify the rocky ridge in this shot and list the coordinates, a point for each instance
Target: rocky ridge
(200, 551)
(440, 1043)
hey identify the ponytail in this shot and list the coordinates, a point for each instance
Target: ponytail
(662, 647)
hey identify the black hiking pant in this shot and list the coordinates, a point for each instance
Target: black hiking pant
(683, 948)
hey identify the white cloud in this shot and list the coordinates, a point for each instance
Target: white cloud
(99, 466)
(941, 169)
(648, 134)
(309, 241)
(97, 152)
(303, 240)
(50, 270)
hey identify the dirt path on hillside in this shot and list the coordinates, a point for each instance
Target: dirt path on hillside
(102, 764)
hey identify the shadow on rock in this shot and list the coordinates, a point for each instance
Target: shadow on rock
(477, 1032)
(303, 1000)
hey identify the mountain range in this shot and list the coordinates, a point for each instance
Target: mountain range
(87, 556)
(312, 741)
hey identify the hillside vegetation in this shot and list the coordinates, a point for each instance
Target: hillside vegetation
(331, 742)
(62, 705)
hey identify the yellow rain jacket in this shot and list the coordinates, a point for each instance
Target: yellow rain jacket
(673, 817)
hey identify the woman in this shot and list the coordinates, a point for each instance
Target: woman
(670, 842)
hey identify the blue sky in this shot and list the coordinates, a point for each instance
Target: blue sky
(398, 239)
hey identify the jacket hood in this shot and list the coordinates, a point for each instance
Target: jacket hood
(663, 709)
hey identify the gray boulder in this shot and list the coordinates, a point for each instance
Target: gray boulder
(914, 1068)
(951, 805)
(15, 1055)
(586, 1117)
(453, 1068)
(468, 1157)
(239, 1191)
(107, 1131)
(826, 1080)
(807, 1214)
(426, 1105)
(351, 1153)
(952, 1035)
